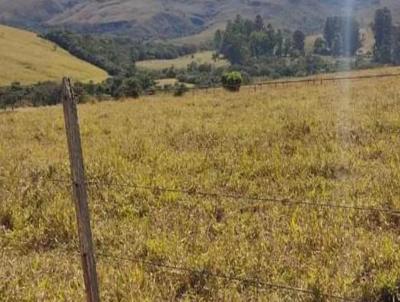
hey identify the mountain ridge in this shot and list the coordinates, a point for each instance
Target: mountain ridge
(176, 18)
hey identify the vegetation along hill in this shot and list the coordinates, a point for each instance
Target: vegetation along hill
(176, 18)
(26, 58)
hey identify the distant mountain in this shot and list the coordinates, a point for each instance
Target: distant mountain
(176, 18)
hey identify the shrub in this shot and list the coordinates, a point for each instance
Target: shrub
(180, 89)
(232, 80)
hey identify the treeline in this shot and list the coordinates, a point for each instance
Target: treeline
(256, 49)
(115, 54)
(15, 95)
(387, 38)
(48, 93)
(342, 37)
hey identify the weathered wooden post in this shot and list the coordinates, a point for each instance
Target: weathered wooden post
(79, 191)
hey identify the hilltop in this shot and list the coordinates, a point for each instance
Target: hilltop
(26, 58)
(177, 18)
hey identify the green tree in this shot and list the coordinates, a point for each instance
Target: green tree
(235, 46)
(342, 35)
(330, 31)
(287, 47)
(383, 31)
(299, 41)
(279, 43)
(258, 42)
(396, 47)
(320, 47)
(218, 38)
(259, 23)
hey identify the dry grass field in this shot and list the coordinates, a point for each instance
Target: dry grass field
(182, 62)
(26, 58)
(336, 143)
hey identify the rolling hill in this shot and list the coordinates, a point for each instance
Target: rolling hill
(26, 58)
(176, 18)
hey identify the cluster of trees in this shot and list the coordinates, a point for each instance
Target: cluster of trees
(275, 68)
(244, 39)
(387, 38)
(115, 54)
(341, 37)
(48, 93)
(201, 74)
(256, 49)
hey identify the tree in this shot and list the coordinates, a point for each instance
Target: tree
(258, 43)
(396, 46)
(342, 35)
(351, 35)
(337, 46)
(383, 31)
(218, 38)
(287, 47)
(320, 47)
(299, 41)
(180, 89)
(130, 87)
(271, 41)
(330, 31)
(235, 42)
(259, 23)
(279, 44)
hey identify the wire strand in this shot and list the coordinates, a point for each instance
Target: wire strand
(249, 281)
(282, 201)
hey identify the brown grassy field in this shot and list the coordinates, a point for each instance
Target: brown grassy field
(335, 143)
(26, 58)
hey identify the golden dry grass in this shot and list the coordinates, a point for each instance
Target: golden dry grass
(304, 142)
(26, 58)
(182, 62)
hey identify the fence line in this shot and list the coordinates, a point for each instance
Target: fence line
(251, 282)
(339, 78)
(173, 268)
(314, 81)
(281, 201)
(285, 201)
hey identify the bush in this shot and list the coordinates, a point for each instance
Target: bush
(130, 87)
(232, 80)
(180, 89)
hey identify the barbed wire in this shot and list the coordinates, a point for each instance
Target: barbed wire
(262, 200)
(314, 80)
(249, 281)
(173, 268)
(283, 201)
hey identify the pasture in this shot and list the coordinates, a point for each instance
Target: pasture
(26, 58)
(204, 57)
(333, 144)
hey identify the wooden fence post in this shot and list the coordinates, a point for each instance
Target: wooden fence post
(80, 196)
